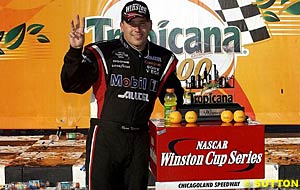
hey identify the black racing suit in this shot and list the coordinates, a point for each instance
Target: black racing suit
(125, 84)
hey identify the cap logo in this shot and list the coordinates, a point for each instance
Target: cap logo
(136, 7)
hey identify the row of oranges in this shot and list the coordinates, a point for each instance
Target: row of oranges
(238, 116)
(191, 116)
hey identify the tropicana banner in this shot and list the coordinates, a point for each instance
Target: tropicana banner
(253, 43)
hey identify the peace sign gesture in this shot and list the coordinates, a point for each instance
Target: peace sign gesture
(76, 35)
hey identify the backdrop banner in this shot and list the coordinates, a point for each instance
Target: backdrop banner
(248, 48)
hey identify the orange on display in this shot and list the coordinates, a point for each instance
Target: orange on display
(175, 117)
(239, 124)
(190, 116)
(191, 125)
(226, 116)
(175, 125)
(239, 116)
(226, 124)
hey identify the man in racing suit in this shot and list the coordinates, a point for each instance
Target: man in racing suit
(127, 75)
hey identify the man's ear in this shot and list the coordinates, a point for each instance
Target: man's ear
(150, 25)
(121, 26)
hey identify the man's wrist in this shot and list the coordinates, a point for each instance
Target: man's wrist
(75, 52)
(76, 47)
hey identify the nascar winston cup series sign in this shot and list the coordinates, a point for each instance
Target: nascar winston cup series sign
(207, 153)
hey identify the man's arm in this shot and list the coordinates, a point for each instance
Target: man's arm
(79, 70)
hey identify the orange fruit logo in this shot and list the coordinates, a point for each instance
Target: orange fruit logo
(226, 116)
(175, 117)
(239, 116)
(191, 117)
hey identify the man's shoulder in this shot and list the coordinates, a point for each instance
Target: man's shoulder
(161, 49)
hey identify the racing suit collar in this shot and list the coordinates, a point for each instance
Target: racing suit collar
(144, 53)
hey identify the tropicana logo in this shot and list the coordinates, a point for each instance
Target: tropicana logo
(212, 99)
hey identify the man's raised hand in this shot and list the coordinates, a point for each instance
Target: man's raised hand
(76, 35)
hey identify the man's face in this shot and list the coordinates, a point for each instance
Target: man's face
(136, 32)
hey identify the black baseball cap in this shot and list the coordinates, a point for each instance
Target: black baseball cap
(134, 9)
